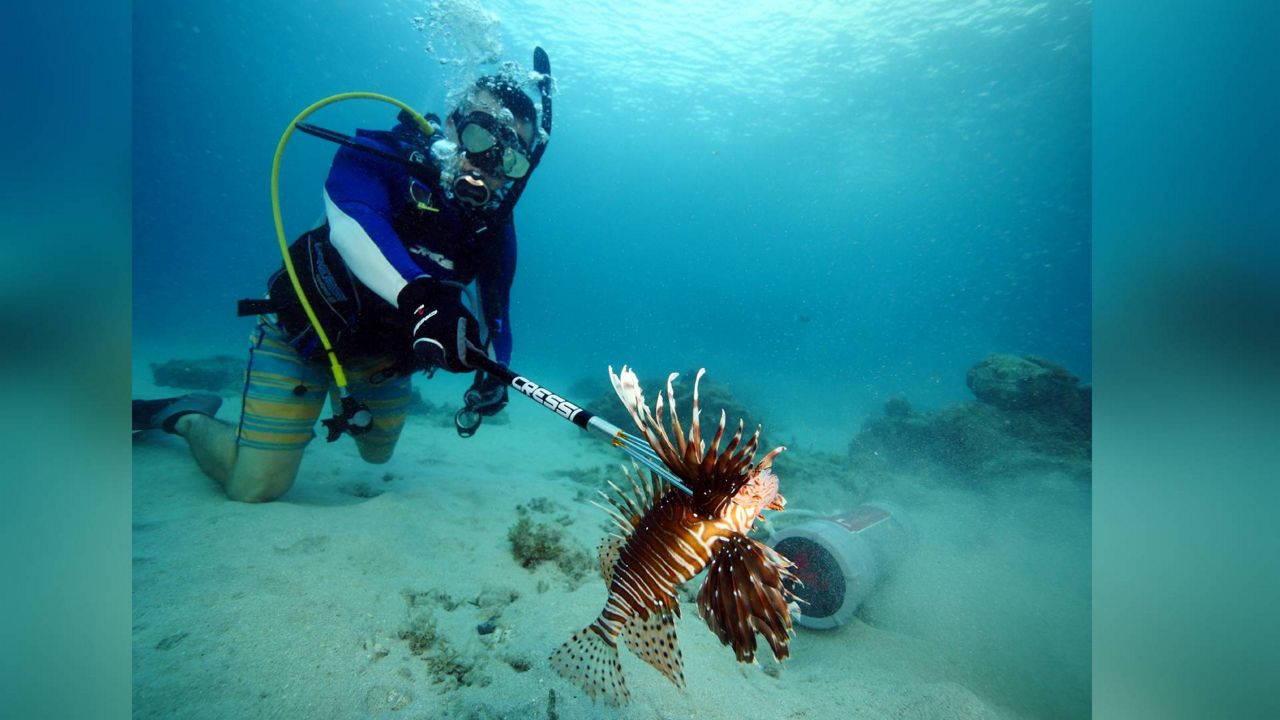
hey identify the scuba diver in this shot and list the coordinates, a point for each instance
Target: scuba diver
(411, 219)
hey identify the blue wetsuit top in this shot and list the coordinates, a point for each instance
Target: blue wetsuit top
(387, 239)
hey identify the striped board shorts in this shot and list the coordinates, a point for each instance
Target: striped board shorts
(284, 395)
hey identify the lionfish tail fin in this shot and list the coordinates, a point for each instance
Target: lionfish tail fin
(744, 595)
(590, 661)
(653, 639)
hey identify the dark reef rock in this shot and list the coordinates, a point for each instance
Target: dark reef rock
(1030, 414)
(1011, 382)
(897, 407)
(958, 436)
(219, 374)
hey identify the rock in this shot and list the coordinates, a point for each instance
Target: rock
(897, 407)
(219, 374)
(1020, 383)
(1030, 416)
(959, 437)
(493, 600)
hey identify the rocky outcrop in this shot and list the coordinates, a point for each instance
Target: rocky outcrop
(1030, 414)
(1027, 383)
(218, 374)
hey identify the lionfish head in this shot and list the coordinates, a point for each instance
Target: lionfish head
(760, 493)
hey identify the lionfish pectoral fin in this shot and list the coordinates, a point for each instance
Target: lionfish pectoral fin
(653, 639)
(743, 595)
(591, 662)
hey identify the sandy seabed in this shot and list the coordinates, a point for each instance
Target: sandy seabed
(360, 593)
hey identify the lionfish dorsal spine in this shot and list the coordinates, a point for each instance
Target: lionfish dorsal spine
(662, 445)
(627, 386)
(726, 458)
(695, 425)
(624, 502)
(709, 458)
(767, 462)
(623, 523)
(657, 485)
(753, 446)
(643, 497)
(675, 419)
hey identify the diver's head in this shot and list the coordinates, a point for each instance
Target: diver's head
(495, 130)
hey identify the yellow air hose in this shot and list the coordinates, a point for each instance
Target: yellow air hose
(339, 376)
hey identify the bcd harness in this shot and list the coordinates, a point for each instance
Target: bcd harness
(356, 320)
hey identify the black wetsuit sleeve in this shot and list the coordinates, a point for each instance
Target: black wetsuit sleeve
(495, 278)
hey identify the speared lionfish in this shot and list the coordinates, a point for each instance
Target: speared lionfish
(667, 536)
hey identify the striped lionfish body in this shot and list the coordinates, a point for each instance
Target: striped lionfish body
(665, 537)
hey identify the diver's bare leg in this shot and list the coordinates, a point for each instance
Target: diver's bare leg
(246, 474)
(212, 443)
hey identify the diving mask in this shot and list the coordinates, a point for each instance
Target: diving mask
(492, 145)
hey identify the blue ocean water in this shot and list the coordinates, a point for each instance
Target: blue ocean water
(826, 204)
(852, 199)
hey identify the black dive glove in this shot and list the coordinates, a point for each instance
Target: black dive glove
(443, 329)
(487, 395)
